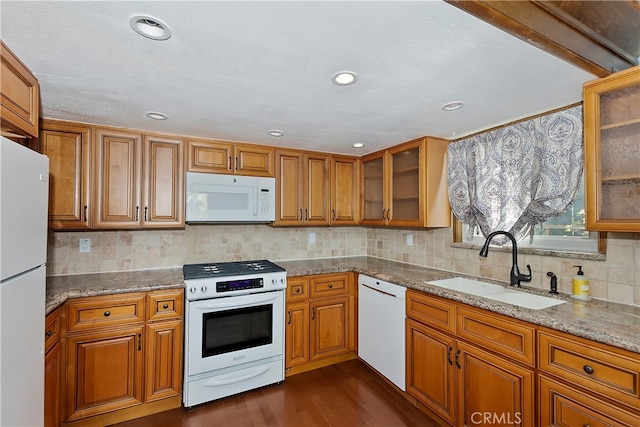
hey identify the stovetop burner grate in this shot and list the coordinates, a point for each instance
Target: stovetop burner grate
(222, 269)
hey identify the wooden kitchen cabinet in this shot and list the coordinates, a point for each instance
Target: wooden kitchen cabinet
(53, 369)
(320, 321)
(575, 369)
(612, 157)
(19, 99)
(138, 180)
(406, 185)
(123, 356)
(303, 196)
(210, 156)
(454, 352)
(67, 146)
(345, 190)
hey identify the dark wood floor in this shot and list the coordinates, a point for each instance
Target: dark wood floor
(347, 394)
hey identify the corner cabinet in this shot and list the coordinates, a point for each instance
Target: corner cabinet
(406, 185)
(19, 99)
(612, 152)
(138, 180)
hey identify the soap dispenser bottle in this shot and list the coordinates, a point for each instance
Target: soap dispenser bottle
(580, 285)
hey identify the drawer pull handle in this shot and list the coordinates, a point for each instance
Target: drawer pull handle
(588, 369)
(49, 333)
(107, 313)
(165, 306)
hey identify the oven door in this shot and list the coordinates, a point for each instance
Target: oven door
(230, 331)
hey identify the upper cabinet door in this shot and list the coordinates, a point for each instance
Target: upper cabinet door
(209, 157)
(117, 179)
(345, 191)
(20, 97)
(612, 152)
(163, 182)
(407, 185)
(67, 147)
(290, 182)
(317, 196)
(253, 161)
(374, 189)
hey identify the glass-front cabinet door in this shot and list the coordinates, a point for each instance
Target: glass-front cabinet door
(406, 185)
(612, 152)
(375, 207)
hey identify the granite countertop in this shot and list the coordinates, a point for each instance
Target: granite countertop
(606, 322)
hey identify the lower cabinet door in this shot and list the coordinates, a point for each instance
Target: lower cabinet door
(297, 334)
(329, 327)
(105, 371)
(52, 382)
(164, 360)
(430, 369)
(492, 390)
(563, 406)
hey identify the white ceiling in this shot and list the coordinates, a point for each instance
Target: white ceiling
(234, 70)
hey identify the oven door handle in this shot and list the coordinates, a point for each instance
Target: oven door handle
(251, 374)
(238, 304)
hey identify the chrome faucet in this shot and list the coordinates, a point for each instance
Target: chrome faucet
(515, 276)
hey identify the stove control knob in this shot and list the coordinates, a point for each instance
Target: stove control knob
(274, 281)
(193, 289)
(203, 288)
(283, 280)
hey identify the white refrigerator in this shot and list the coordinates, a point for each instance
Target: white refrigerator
(24, 189)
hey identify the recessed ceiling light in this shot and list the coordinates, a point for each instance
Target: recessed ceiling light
(344, 78)
(275, 132)
(150, 27)
(156, 116)
(453, 105)
(357, 145)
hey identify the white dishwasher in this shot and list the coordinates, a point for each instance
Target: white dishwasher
(381, 335)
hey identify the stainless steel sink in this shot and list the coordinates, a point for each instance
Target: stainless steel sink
(496, 293)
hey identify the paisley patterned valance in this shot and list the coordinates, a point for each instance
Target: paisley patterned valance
(517, 176)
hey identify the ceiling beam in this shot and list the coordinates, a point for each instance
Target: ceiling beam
(600, 37)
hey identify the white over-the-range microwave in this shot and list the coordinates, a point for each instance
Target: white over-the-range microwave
(229, 198)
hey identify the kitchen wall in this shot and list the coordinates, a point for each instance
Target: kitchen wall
(616, 279)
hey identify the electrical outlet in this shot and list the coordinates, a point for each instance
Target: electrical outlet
(312, 237)
(409, 239)
(85, 245)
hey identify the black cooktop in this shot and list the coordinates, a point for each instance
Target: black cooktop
(222, 269)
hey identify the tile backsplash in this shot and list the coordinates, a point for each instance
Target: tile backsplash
(616, 279)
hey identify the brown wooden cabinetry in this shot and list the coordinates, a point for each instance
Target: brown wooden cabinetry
(211, 156)
(345, 190)
(138, 180)
(320, 321)
(67, 146)
(124, 356)
(454, 352)
(303, 188)
(612, 158)
(583, 382)
(53, 370)
(406, 185)
(19, 99)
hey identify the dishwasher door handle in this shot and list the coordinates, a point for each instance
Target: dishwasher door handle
(378, 290)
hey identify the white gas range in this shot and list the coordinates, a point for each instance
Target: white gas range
(234, 328)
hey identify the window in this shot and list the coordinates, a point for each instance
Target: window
(563, 233)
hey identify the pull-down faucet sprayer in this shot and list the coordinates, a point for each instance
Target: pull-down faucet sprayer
(515, 276)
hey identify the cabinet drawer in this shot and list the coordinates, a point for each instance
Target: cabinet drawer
(96, 312)
(431, 311)
(165, 305)
(297, 288)
(511, 339)
(564, 406)
(329, 285)
(614, 373)
(52, 327)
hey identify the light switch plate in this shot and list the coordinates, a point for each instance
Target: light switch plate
(312, 237)
(409, 239)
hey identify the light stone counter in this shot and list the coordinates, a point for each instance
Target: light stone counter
(606, 322)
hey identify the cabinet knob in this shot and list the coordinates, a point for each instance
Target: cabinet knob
(588, 369)
(165, 306)
(107, 313)
(297, 290)
(48, 333)
(330, 285)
